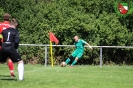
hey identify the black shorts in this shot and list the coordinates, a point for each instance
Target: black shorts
(12, 54)
(1, 57)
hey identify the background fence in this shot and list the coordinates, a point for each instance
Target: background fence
(100, 47)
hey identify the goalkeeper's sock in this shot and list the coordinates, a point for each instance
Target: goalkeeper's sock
(67, 61)
(74, 62)
(11, 67)
(21, 71)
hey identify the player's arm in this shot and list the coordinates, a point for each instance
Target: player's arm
(87, 44)
(17, 40)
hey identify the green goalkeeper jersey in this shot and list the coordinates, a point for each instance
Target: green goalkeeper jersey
(80, 45)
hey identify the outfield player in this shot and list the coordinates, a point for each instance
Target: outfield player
(9, 46)
(78, 52)
(4, 25)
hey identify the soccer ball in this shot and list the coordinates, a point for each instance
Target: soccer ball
(63, 64)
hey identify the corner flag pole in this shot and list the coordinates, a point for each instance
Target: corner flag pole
(52, 39)
(52, 61)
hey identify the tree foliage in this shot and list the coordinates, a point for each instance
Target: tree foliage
(95, 21)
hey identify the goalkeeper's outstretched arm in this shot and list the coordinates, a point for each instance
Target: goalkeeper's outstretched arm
(89, 46)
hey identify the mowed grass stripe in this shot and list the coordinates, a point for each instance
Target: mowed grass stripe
(80, 76)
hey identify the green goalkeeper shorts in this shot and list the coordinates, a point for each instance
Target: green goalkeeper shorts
(77, 54)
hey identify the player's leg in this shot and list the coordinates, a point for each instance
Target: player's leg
(11, 67)
(69, 59)
(79, 55)
(21, 69)
(74, 62)
(16, 58)
(3, 57)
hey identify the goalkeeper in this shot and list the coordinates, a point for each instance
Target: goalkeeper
(77, 54)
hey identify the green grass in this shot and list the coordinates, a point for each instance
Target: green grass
(80, 76)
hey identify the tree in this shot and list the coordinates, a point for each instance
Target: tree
(93, 20)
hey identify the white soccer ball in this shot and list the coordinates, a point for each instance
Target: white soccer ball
(63, 64)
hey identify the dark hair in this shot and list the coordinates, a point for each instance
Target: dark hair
(6, 17)
(14, 22)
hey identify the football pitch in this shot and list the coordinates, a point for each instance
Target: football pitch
(80, 76)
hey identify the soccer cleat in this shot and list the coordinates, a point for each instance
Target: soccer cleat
(71, 66)
(21, 79)
(13, 76)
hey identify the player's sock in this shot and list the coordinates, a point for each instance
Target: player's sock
(67, 61)
(11, 67)
(21, 71)
(74, 62)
